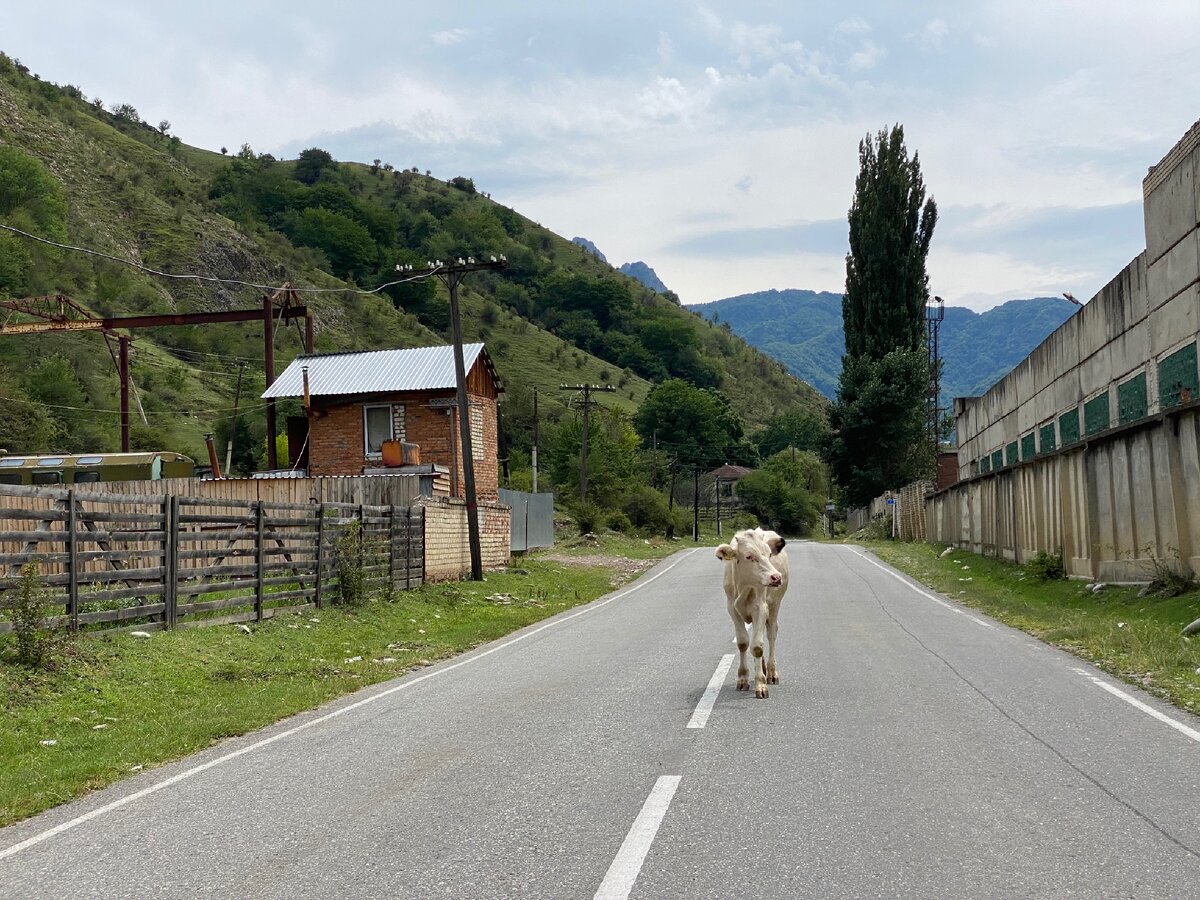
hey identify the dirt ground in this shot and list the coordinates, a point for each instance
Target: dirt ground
(625, 569)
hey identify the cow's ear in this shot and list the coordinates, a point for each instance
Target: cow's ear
(726, 552)
(777, 544)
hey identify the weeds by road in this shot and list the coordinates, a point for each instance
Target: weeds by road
(106, 707)
(1136, 638)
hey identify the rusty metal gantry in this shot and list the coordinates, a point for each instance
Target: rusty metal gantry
(57, 312)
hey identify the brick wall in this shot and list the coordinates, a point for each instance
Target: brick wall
(336, 437)
(447, 550)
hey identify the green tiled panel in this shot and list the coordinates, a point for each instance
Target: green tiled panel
(1028, 446)
(1131, 399)
(1177, 377)
(1068, 427)
(998, 459)
(1096, 414)
(1010, 453)
(1046, 438)
(985, 465)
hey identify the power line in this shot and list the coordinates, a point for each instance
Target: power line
(92, 409)
(212, 278)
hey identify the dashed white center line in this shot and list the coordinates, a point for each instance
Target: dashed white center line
(1144, 707)
(926, 594)
(627, 865)
(704, 707)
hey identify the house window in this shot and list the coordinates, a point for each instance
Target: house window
(477, 448)
(377, 428)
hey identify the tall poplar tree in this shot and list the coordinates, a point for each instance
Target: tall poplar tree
(878, 421)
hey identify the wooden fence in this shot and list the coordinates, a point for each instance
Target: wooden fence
(162, 561)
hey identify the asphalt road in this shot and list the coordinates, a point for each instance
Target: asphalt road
(913, 749)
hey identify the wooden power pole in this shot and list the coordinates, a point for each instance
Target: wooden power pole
(585, 401)
(452, 274)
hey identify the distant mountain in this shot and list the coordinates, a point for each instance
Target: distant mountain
(590, 247)
(803, 330)
(646, 275)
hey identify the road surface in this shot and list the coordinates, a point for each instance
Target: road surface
(913, 749)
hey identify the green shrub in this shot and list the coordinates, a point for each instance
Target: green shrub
(26, 603)
(617, 521)
(587, 515)
(1047, 567)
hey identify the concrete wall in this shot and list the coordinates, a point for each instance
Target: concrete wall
(1112, 494)
(447, 552)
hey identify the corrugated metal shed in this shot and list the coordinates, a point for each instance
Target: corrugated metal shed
(374, 372)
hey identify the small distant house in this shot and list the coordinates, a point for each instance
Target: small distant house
(726, 479)
(360, 400)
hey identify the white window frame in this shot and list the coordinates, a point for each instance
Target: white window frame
(367, 452)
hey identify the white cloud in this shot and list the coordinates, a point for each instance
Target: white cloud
(451, 37)
(932, 36)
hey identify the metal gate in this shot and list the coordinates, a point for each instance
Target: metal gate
(532, 519)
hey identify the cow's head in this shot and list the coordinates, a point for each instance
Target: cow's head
(750, 552)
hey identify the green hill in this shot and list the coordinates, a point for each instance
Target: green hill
(82, 175)
(803, 330)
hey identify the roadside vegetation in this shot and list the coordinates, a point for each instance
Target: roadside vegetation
(93, 710)
(1131, 632)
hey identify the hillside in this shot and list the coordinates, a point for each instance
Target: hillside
(72, 171)
(803, 330)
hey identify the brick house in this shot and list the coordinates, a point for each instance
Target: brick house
(359, 400)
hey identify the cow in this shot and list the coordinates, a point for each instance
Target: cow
(756, 577)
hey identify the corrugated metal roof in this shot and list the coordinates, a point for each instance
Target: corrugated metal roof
(372, 372)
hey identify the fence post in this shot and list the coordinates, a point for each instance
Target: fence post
(320, 552)
(259, 547)
(392, 547)
(72, 563)
(408, 529)
(171, 561)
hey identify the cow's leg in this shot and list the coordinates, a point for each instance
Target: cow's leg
(758, 630)
(772, 634)
(743, 643)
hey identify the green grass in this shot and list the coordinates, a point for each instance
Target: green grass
(118, 704)
(1134, 638)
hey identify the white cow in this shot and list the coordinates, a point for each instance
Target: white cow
(756, 577)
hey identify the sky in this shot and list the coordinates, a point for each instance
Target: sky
(717, 142)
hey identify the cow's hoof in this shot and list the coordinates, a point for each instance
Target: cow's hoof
(743, 684)
(772, 679)
(760, 692)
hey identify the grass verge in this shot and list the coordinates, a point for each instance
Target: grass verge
(1134, 638)
(110, 706)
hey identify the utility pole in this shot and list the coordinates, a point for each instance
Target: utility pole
(452, 274)
(935, 312)
(718, 490)
(123, 366)
(586, 402)
(237, 398)
(535, 440)
(696, 504)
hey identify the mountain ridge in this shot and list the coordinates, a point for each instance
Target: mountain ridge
(803, 329)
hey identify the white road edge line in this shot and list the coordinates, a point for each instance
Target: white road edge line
(203, 767)
(1144, 707)
(938, 600)
(627, 864)
(700, 717)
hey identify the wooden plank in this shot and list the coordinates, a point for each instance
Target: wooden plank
(171, 575)
(320, 553)
(195, 590)
(212, 519)
(190, 609)
(87, 597)
(35, 515)
(153, 518)
(72, 564)
(118, 615)
(259, 540)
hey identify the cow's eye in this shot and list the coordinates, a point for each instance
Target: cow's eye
(750, 556)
